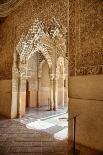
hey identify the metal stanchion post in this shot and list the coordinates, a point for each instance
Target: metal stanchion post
(74, 127)
(75, 151)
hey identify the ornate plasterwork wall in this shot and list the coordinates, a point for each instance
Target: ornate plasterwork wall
(86, 37)
(19, 21)
(6, 50)
(7, 6)
(48, 42)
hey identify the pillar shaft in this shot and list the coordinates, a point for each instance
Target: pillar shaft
(38, 89)
(18, 98)
(51, 95)
(62, 94)
(55, 94)
(67, 90)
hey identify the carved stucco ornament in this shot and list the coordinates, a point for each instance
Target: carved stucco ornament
(8, 6)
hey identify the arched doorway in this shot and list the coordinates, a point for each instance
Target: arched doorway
(38, 80)
(44, 94)
(30, 65)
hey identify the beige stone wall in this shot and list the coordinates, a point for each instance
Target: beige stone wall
(45, 77)
(44, 88)
(5, 97)
(86, 69)
(44, 95)
(86, 99)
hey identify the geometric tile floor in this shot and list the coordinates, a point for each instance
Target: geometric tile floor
(16, 138)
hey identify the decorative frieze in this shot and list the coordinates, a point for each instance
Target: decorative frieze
(91, 70)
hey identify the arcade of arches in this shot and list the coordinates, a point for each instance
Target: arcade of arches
(51, 71)
(40, 68)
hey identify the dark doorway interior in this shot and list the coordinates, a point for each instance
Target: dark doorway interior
(27, 94)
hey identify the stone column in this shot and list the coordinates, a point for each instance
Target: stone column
(67, 90)
(37, 63)
(18, 96)
(38, 90)
(21, 100)
(62, 94)
(51, 94)
(55, 93)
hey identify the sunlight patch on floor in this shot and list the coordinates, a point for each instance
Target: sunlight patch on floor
(51, 122)
(39, 125)
(60, 120)
(61, 135)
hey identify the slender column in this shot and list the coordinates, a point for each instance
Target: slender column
(51, 94)
(62, 85)
(21, 96)
(38, 89)
(38, 92)
(18, 97)
(66, 90)
(37, 79)
(55, 93)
